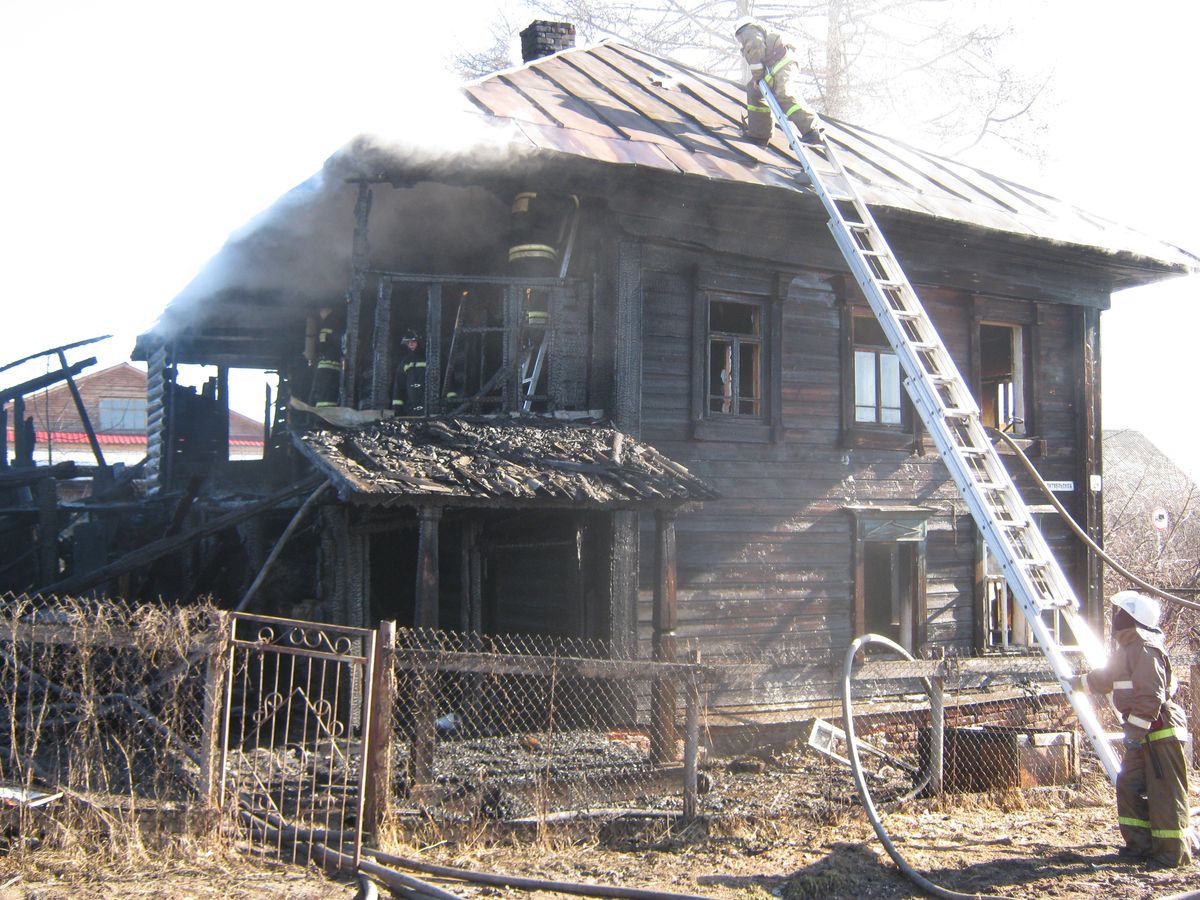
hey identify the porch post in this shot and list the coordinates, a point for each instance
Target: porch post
(427, 568)
(662, 695)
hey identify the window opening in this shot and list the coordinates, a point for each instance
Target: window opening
(734, 358)
(1002, 382)
(877, 392)
(889, 590)
(1005, 627)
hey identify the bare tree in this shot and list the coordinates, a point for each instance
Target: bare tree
(1152, 526)
(942, 70)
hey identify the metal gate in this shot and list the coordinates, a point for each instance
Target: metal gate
(293, 758)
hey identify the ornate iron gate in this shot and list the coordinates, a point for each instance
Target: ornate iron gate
(294, 757)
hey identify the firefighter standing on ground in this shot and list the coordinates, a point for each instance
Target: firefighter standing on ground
(1152, 788)
(769, 56)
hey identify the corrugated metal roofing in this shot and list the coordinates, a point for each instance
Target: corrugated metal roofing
(615, 104)
(498, 462)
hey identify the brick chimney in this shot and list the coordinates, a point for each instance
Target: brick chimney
(542, 38)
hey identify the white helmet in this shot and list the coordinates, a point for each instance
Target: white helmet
(1144, 610)
(746, 22)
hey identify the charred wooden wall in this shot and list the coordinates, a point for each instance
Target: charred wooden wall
(768, 568)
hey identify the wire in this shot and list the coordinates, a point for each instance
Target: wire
(860, 781)
(1083, 535)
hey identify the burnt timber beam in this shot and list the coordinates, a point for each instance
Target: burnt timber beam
(160, 548)
(359, 261)
(663, 619)
(381, 351)
(84, 418)
(23, 435)
(627, 387)
(58, 350)
(433, 350)
(43, 381)
(25, 477)
(426, 615)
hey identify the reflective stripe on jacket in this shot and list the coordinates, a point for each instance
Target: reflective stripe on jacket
(775, 55)
(1138, 675)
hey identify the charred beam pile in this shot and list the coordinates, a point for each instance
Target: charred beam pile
(487, 459)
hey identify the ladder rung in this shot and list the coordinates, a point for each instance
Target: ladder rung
(1031, 563)
(958, 412)
(1013, 524)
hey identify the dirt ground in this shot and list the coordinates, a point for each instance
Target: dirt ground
(1057, 843)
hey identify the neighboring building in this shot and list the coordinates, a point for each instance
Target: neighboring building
(683, 286)
(1151, 515)
(115, 402)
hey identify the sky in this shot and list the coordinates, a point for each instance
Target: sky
(138, 135)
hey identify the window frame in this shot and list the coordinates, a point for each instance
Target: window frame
(988, 578)
(128, 405)
(752, 289)
(737, 342)
(1027, 316)
(1022, 393)
(906, 435)
(905, 531)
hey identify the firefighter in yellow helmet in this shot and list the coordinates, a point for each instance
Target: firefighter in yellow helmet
(769, 56)
(1152, 788)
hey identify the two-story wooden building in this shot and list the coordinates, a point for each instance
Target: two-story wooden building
(605, 246)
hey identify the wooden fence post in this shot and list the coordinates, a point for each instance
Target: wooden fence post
(216, 678)
(691, 742)
(377, 802)
(937, 733)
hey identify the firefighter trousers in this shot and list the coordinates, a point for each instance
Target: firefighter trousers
(783, 85)
(1152, 801)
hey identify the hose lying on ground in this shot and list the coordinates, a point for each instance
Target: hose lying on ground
(861, 783)
(528, 884)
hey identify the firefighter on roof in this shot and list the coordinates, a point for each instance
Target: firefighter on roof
(1152, 789)
(769, 56)
(408, 386)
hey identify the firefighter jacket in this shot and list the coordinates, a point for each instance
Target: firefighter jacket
(772, 59)
(768, 57)
(1138, 675)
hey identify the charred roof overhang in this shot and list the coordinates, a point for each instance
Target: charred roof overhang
(481, 462)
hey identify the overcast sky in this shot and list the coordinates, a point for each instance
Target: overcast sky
(138, 135)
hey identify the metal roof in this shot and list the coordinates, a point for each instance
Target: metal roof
(611, 103)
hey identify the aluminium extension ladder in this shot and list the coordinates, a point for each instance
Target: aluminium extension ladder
(950, 414)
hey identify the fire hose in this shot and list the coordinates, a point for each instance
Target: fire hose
(852, 652)
(860, 780)
(1083, 535)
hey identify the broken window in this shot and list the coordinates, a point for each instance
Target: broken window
(1004, 625)
(878, 396)
(1004, 628)
(1002, 377)
(735, 357)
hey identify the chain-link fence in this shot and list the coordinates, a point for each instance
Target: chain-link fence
(102, 698)
(928, 732)
(507, 727)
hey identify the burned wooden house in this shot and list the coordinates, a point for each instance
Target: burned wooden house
(637, 397)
